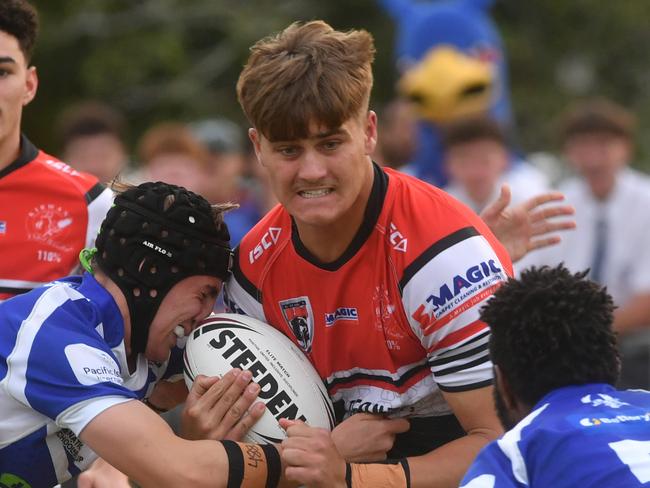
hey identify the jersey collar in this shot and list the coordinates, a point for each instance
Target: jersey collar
(28, 152)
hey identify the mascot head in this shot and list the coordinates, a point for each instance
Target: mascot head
(452, 65)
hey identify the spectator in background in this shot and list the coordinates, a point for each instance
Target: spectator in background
(612, 238)
(397, 134)
(225, 180)
(169, 152)
(92, 136)
(477, 159)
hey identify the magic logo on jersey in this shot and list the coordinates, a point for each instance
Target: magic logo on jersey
(467, 289)
(298, 314)
(341, 313)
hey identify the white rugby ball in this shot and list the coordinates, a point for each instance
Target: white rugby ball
(289, 385)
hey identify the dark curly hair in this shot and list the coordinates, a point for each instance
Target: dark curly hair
(20, 19)
(549, 329)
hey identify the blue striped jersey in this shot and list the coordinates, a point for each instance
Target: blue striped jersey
(62, 362)
(583, 436)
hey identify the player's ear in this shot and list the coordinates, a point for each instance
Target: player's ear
(254, 136)
(370, 129)
(503, 386)
(31, 85)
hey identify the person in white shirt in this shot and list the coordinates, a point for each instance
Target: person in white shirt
(612, 237)
(478, 161)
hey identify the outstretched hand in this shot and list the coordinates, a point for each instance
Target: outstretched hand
(525, 227)
(221, 408)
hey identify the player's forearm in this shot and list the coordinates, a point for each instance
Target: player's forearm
(445, 467)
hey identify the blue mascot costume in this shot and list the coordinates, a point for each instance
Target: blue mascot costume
(453, 65)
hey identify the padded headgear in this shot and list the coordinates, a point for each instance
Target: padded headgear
(154, 236)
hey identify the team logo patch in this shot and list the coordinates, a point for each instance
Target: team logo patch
(299, 317)
(3, 227)
(342, 313)
(50, 224)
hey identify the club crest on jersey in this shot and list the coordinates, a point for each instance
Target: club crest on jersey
(342, 313)
(49, 223)
(3, 227)
(299, 317)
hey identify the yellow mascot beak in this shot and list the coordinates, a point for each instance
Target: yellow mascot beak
(448, 84)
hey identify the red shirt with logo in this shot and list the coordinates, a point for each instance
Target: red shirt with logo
(395, 319)
(48, 213)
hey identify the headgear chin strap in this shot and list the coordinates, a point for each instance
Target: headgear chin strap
(154, 236)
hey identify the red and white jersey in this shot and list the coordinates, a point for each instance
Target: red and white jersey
(395, 319)
(48, 213)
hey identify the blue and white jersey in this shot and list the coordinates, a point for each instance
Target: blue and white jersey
(62, 362)
(580, 436)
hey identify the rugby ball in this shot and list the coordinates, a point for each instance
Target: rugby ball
(289, 385)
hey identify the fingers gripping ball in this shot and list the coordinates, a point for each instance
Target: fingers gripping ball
(289, 385)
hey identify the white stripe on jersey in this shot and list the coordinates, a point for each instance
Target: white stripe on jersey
(483, 481)
(465, 354)
(468, 376)
(57, 453)
(423, 399)
(395, 377)
(240, 298)
(97, 210)
(509, 445)
(17, 421)
(77, 416)
(47, 303)
(21, 284)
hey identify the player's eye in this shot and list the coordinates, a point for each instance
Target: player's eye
(331, 145)
(288, 151)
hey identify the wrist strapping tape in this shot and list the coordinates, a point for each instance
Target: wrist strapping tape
(391, 474)
(252, 465)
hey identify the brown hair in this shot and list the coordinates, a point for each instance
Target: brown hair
(472, 129)
(308, 72)
(170, 137)
(90, 118)
(596, 115)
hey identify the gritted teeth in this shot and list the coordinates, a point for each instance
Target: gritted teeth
(321, 192)
(179, 331)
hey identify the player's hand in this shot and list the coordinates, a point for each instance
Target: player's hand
(310, 456)
(221, 408)
(168, 394)
(526, 226)
(102, 475)
(366, 437)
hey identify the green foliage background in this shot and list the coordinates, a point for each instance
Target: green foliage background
(179, 59)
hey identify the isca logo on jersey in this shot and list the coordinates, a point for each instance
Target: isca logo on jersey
(268, 239)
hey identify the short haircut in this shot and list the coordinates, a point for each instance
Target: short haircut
(20, 19)
(171, 138)
(596, 115)
(90, 119)
(308, 72)
(472, 129)
(550, 329)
